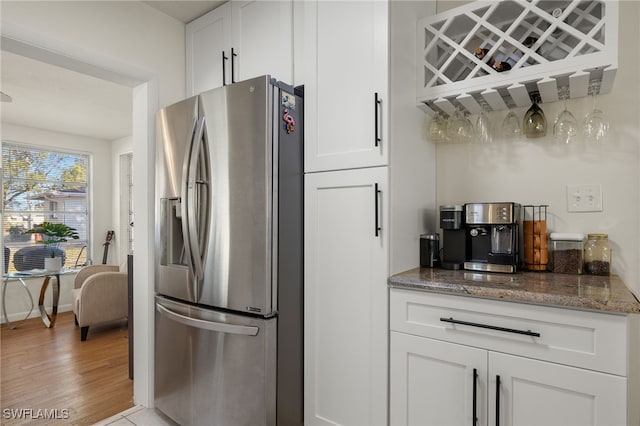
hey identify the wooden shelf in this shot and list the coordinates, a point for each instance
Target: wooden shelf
(549, 44)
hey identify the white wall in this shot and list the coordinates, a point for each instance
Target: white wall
(412, 170)
(101, 183)
(127, 32)
(537, 172)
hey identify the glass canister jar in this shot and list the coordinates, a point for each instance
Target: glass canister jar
(566, 256)
(597, 255)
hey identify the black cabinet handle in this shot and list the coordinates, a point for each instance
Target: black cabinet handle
(491, 327)
(498, 400)
(233, 73)
(475, 400)
(224, 69)
(377, 103)
(376, 207)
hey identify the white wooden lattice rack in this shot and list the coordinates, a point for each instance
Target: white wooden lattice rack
(549, 44)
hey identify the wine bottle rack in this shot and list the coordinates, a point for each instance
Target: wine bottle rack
(549, 44)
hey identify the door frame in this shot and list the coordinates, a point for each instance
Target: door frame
(144, 84)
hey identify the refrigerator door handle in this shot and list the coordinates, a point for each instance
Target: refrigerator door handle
(192, 220)
(208, 325)
(183, 201)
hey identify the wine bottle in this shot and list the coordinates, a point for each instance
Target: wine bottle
(480, 52)
(500, 66)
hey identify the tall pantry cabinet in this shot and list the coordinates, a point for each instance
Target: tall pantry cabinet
(350, 198)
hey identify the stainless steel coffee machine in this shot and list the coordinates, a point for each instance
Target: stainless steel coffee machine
(491, 236)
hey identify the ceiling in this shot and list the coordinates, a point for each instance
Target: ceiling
(50, 97)
(185, 11)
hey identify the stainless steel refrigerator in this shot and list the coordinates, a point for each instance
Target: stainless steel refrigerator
(229, 266)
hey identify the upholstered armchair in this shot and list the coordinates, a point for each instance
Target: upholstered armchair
(99, 296)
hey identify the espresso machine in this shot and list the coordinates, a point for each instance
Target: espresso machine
(491, 231)
(454, 244)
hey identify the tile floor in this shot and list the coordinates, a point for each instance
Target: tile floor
(138, 416)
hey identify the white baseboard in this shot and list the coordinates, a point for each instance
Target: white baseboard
(19, 316)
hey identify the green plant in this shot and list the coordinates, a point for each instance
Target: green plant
(53, 234)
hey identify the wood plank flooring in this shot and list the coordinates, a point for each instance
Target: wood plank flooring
(48, 376)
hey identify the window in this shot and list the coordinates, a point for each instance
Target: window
(126, 201)
(42, 185)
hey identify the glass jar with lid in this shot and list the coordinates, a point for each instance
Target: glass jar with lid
(597, 255)
(566, 255)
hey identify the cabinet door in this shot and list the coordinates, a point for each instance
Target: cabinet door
(346, 65)
(208, 38)
(262, 39)
(432, 382)
(540, 393)
(345, 324)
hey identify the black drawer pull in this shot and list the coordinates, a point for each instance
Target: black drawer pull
(498, 400)
(491, 327)
(475, 397)
(377, 102)
(224, 73)
(376, 195)
(233, 72)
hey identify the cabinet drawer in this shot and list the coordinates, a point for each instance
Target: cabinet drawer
(583, 339)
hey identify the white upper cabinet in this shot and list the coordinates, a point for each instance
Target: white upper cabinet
(237, 41)
(346, 84)
(208, 40)
(262, 39)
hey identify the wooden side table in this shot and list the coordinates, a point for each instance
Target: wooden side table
(49, 320)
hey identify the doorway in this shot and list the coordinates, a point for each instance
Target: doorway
(144, 104)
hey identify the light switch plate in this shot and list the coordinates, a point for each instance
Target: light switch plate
(584, 197)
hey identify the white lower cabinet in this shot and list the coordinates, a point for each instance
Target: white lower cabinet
(533, 392)
(437, 382)
(432, 382)
(346, 297)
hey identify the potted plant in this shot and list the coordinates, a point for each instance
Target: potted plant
(52, 235)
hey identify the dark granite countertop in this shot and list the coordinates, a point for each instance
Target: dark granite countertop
(587, 292)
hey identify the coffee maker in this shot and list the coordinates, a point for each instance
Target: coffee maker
(454, 245)
(491, 236)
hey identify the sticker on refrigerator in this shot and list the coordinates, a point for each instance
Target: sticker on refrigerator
(289, 124)
(289, 101)
(289, 105)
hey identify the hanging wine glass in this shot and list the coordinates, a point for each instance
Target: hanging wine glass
(459, 128)
(436, 130)
(510, 128)
(482, 125)
(482, 128)
(596, 124)
(565, 128)
(534, 123)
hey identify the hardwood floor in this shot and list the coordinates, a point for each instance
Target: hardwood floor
(51, 377)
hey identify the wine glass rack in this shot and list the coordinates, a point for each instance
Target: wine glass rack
(548, 44)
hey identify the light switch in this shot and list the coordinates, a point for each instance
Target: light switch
(584, 197)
